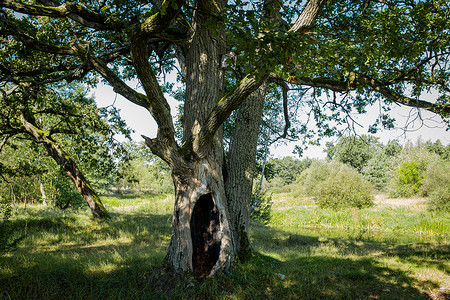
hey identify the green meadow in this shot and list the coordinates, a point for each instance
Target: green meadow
(396, 249)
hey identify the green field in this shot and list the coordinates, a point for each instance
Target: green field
(394, 250)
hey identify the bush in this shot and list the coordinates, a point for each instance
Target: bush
(262, 212)
(8, 236)
(335, 185)
(408, 179)
(436, 185)
(440, 199)
(408, 171)
(277, 186)
(344, 187)
(308, 181)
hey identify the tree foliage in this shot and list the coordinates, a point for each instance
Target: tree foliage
(67, 119)
(372, 49)
(377, 169)
(436, 185)
(285, 168)
(354, 151)
(408, 169)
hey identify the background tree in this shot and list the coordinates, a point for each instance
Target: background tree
(345, 55)
(69, 127)
(376, 170)
(354, 151)
(409, 168)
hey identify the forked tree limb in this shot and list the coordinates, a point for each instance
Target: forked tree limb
(224, 108)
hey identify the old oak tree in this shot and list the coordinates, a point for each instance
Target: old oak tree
(343, 55)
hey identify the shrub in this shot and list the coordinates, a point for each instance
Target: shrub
(440, 199)
(335, 185)
(344, 187)
(408, 179)
(312, 177)
(262, 212)
(408, 171)
(436, 185)
(277, 185)
(8, 235)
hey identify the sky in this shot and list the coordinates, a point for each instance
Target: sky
(140, 120)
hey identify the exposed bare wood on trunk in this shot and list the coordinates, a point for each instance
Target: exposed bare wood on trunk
(205, 178)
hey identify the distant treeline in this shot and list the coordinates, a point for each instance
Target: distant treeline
(361, 166)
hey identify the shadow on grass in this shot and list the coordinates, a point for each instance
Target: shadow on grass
(132, 225)
(63, 259)
(318, 267)
(131, 268)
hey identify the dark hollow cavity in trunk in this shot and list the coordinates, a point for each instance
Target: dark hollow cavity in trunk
(205, 233)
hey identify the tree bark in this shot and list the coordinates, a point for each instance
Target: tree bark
(68, 166)
(241, 168)
(201, 236)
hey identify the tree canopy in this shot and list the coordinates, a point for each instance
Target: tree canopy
(397, 50)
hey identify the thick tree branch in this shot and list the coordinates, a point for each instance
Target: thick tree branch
(389, 94)
(354, 79)
(334, 85)
(68, 72)
(161, 21)
(31, 42)
(73, 10)
(156, 102)
(118, 85)
(308, 16)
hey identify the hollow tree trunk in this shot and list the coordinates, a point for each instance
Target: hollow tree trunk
(68, 166)
(205, 236)
(201, 236)
(241, 167)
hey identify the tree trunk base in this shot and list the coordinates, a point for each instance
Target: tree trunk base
(201, 237)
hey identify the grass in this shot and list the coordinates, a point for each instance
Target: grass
(385, 252)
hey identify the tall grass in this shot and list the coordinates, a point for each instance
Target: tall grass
(372, 253)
